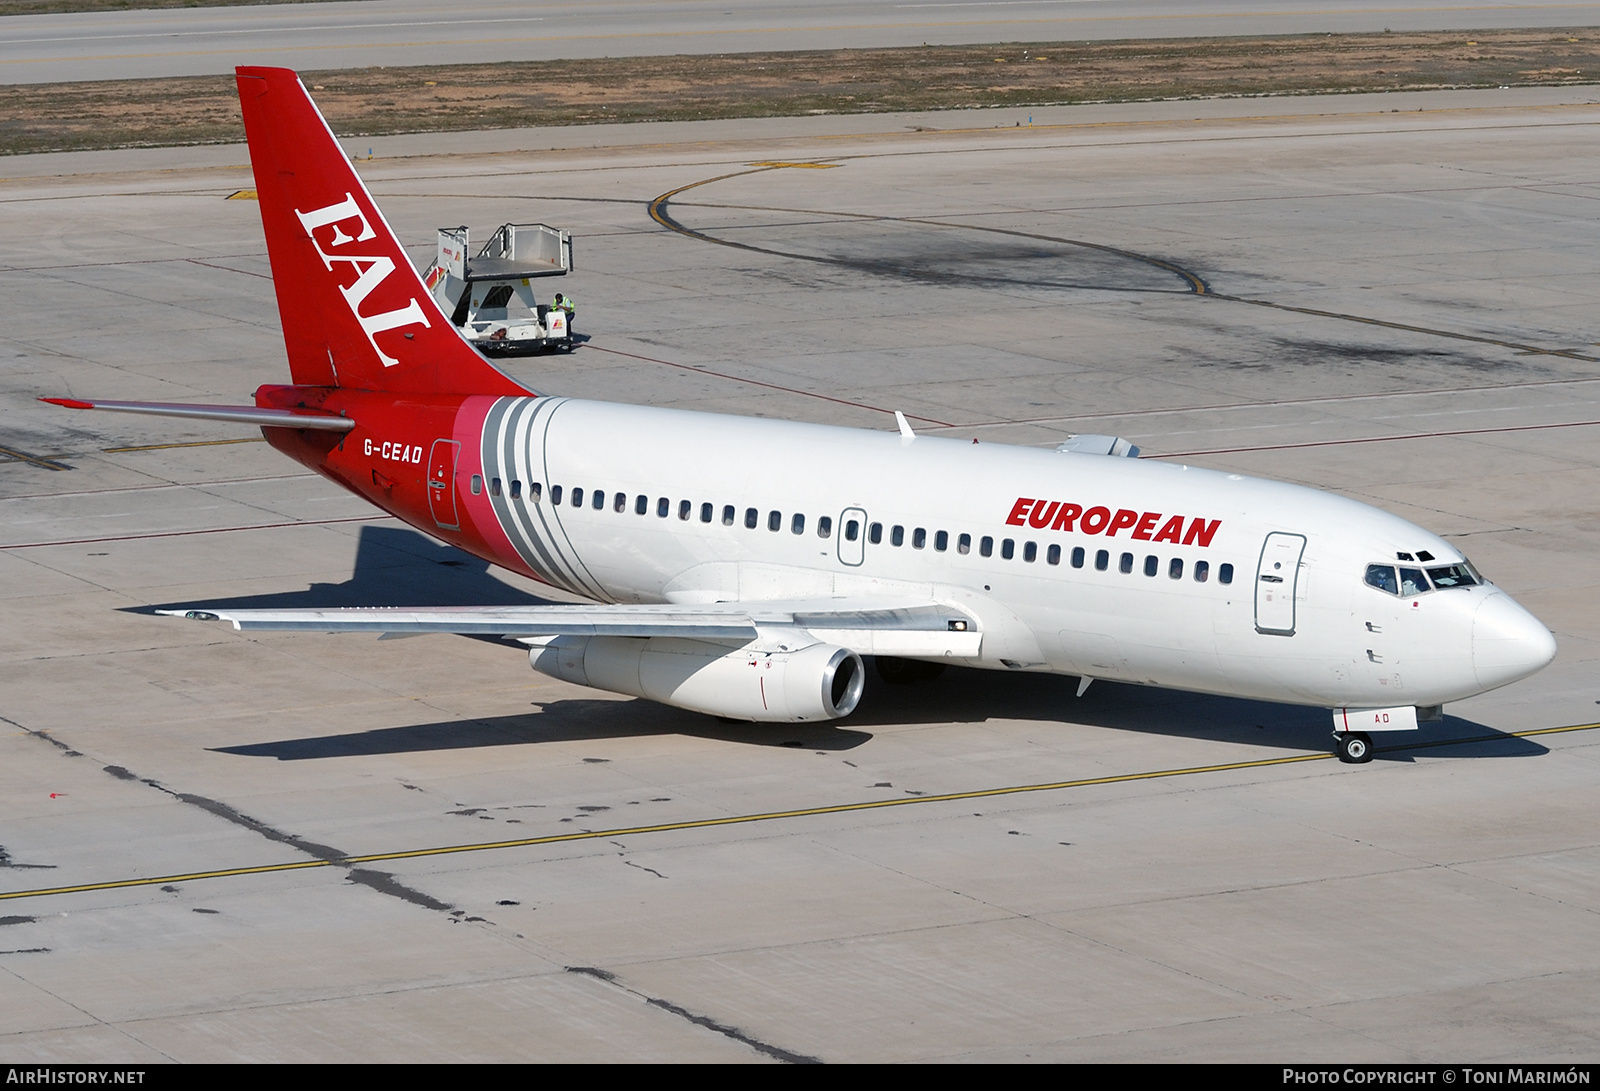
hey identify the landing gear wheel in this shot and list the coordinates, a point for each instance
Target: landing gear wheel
(1355, 748)
(906, 672)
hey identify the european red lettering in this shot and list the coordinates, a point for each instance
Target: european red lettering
(1200, 532)
(1171, 530)
(1121, 521)
(1147, 523)
(1041, 515)
(1018, 511)
(1095, 520)
(1065, 516)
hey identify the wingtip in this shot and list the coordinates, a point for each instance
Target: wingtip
(190, 615)
(69, 403)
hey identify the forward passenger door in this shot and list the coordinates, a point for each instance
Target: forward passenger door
(1276, 580)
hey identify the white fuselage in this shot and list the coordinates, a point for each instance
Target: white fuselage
(1209, 581)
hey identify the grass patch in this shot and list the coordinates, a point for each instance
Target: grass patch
(378, 101)
(51, 7)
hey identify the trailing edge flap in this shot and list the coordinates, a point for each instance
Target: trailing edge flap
(869, 628)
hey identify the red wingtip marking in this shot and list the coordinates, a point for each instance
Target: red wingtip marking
(70, 403)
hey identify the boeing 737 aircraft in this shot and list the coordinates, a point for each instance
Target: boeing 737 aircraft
(742, 567)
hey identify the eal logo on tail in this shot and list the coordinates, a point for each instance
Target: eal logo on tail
(371, 270)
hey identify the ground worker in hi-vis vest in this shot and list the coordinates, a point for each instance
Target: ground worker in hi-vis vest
(564, 303)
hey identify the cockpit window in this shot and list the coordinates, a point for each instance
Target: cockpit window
(1381, 576)
(1413, 582)
(1453, 575)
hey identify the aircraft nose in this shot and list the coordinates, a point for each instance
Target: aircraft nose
(1508, 643)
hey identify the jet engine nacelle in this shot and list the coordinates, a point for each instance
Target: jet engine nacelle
(818, 682)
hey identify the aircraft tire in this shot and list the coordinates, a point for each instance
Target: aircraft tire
(1355, 748)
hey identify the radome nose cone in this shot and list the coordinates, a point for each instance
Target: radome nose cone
(1508, 643)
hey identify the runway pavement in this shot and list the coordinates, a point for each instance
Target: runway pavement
(318, 36)
(287, 847)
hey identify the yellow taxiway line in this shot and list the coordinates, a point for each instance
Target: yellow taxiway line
(766, 816)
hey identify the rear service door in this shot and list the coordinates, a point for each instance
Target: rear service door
(852, 536)
(442, 483)
(1276, 578)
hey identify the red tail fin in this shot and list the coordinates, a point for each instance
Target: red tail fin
(354, 312)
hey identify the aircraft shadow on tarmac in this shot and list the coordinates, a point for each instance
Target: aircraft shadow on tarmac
(399, 567)
(394, 566)
(959, 696)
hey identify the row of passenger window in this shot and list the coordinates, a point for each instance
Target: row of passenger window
(618, 502)
(597, 500)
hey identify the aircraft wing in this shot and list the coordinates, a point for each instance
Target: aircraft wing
(868, 628)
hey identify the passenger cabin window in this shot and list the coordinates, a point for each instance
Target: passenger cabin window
(824, 527)
(1152, 565)
(941, 540)
(685, 509)
(1008, 549)
(577, 498)
(1052, 555)
(555, 494)
(477, 484)
(875, 533)
(964, 544)
(494, 486)
(620, 503)
(897, 536)
(1175, 569)
(986, 546)
(919, 539)
(751, 518)
(663, 507)
(705, 513)
(727, 515)
(852, 530)
(1030, 552)
(516, 489)
(1125, 564)
(1202, 571)
(1102, 560)
(536, 491)
(797, 525)
(774, 521)
(641, 504)
(1225, 573)
(599, 503)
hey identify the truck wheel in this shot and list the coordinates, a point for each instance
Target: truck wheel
(1355, 748)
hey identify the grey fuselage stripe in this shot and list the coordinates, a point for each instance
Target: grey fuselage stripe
(508, 448)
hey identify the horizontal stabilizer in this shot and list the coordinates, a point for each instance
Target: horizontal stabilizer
(236, 414)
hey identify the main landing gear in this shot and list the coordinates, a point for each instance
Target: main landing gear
(1354, 747)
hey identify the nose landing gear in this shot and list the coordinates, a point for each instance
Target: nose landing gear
(1353, 747)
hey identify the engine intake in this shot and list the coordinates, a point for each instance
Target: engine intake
(818, 682)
